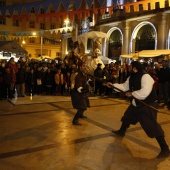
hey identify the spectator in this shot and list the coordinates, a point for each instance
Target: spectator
(13, 70)
(98, 81)
(59, 82)
(20, 80)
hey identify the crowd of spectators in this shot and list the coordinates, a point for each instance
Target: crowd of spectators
(21, 78)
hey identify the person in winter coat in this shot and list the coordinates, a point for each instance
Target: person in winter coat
(13, 70)
(59, 80)
(2, 89)
(31, 81)
(20, 80)
(7, 80)
(39, 80)
(49, 78)
(98, 73)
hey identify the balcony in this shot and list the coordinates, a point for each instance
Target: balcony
(122, 14)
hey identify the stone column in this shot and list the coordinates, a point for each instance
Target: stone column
(126, 38)
(133, 46)
(75, 32)
(161, 39)
(63, 48)
(106, 49)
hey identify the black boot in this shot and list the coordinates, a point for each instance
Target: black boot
(76, 122)
(165, 152)
(76, 118)
(121, 132)
(82, 116)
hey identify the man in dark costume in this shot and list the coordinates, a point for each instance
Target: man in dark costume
(140, 86)
(79, 97)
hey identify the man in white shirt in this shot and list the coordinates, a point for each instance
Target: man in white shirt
(139, 86)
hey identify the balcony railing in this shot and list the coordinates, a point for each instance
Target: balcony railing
(121, 14)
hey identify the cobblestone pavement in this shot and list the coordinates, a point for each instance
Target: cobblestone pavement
(38, 134)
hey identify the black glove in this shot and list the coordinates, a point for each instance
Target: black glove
(84, 90)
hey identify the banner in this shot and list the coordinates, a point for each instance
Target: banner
(64, 5)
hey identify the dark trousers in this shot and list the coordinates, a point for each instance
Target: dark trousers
(146, 117)
(164, 92)
(31, 88)
(7, 93)
(78, 114)
(98, 87)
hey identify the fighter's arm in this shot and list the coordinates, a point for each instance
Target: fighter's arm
(123, 87)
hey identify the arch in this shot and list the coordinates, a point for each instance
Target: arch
(109, 33)
(113, 29)
(135, 31)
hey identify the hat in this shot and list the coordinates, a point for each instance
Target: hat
(99, 64)
(137, 64)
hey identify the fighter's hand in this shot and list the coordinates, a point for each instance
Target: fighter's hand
(128, 94)
(109, 84)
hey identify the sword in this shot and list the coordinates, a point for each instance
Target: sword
(142, 102)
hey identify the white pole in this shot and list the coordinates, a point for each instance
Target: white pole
(41, 46)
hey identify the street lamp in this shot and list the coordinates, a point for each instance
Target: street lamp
(23, 42)
(67, 22)
(41, 46)
(41, 42)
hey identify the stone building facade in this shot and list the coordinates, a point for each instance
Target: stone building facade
(131, 26)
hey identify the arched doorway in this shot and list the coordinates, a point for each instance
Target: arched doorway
(115, 43)
(144, 37)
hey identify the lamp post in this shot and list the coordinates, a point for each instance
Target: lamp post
(41, 42)
(67, 22)
(41, 46)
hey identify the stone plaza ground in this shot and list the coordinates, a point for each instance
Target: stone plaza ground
(38, 134)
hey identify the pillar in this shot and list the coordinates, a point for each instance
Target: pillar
(126, 38)
(161, 31)
(63, 48)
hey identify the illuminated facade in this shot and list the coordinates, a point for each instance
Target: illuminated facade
(144, 27)
(43, 27)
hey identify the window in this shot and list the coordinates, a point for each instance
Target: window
(2, 21)
(42, 11)
(32, 39)
(42, 26)
(32, 24)
(16, 23)
(2, 3)
(53, 26)
(32, 10)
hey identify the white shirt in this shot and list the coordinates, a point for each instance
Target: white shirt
(141, 94)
